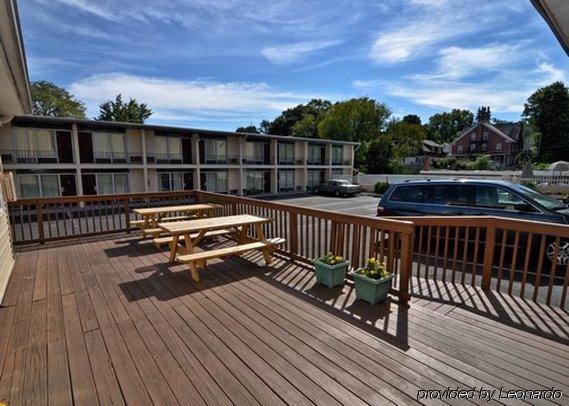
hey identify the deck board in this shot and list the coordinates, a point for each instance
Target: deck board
(109, 321)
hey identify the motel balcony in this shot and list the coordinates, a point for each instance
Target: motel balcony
(95, 314)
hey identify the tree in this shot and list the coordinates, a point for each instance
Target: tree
(285, 122)
(126, 112)
(359, 120)
(547, 110)
(307, 127)
(406, 139)
(249, 129)
(483, 114)
(377, 156)
(51, 100)
(412, 119)
(264, 126)
(444, 127)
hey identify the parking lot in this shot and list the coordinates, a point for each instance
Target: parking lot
(361, 205)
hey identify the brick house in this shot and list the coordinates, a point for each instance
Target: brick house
(502, 141)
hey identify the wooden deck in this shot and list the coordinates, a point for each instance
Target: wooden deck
(106, 321)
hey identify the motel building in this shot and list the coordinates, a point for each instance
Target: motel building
(65, 157)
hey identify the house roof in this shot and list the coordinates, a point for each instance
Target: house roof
(66, 122)
(511, 132)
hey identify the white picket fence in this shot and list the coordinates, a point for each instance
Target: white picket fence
(546, 182)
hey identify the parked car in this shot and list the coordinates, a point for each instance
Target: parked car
(337, 188)
(467, 197)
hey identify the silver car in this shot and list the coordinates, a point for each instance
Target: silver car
(337, 187)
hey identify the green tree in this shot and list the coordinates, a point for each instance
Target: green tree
(406, 139)
(51, 100)
(285, 122)
(306, 127)
(249, 129)
(483, 114)
(126, 112)
(359, 120)
(444, 127)
(547, 110)
(377, 156)
(412, 119)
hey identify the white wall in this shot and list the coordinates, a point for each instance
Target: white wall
(6, 253)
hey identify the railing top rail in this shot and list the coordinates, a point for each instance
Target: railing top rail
(93, 198)
(402, 226)
(529, 226)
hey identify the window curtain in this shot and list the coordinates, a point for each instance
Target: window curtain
(29, 186)
(101, 142)
(37, 140)
(104, 184)
(174, 146)
(117, 143)
(164, 179)
(161, 145)
(121, 183)
(50, 185)
(221, 182)
(177, 181)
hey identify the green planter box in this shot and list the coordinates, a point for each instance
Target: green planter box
(371, 290)
(330, 275)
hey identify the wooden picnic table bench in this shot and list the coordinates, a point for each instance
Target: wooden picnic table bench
(193, 232)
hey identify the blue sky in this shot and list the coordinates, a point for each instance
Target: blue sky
(226, 63)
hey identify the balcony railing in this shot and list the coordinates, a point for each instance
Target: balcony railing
(341, 162)
(286, 160)
(34, 156)
(165, 158)
(315, 162)
(221, 160)
(116, 158)
(256, 160)
(514, 257)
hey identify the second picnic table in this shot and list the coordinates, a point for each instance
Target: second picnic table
(151, 216)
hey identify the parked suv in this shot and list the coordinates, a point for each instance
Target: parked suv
(466, 197)
(337, 188)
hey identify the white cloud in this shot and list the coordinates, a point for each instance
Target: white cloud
(287, 53)
(425, 24)
(457, 62)
(188, 99)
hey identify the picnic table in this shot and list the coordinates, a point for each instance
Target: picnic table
(151, 216)
(194, 231)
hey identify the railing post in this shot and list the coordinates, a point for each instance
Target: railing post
(406, 265)
(293, 233)
(197, 196)
(41, 235)
(488, 256)
(127, 216)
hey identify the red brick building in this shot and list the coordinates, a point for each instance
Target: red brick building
(502, 141)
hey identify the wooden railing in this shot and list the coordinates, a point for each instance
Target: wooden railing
(522, 258)
(311, 233)
(56, 218)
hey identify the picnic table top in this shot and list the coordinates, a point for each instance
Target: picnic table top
(212, 223)
(168, 209)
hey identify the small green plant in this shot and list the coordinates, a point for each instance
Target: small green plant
(540, 166)
(331, 259)
(374, 269)
(381, 187)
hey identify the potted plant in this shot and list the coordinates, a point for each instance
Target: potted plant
(330, 270)
(373, 281)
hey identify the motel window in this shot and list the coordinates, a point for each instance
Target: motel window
(498, 146)
(112, 183)
(30, 139)
(109, 143)
(216, 181)
(337, 154)
(286, 153)
(315, 153)
(44, 185)
(255, 151)
(171, 181)
(168, 146)
(215, 149)
(286, 181)
(255, 180)
(314, 178)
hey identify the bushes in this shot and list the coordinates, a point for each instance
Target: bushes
(482, 163)
(381, 187)
(529, 184)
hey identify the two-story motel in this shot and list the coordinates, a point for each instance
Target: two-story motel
(63, 157)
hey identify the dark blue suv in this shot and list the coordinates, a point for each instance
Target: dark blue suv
(468, 197)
